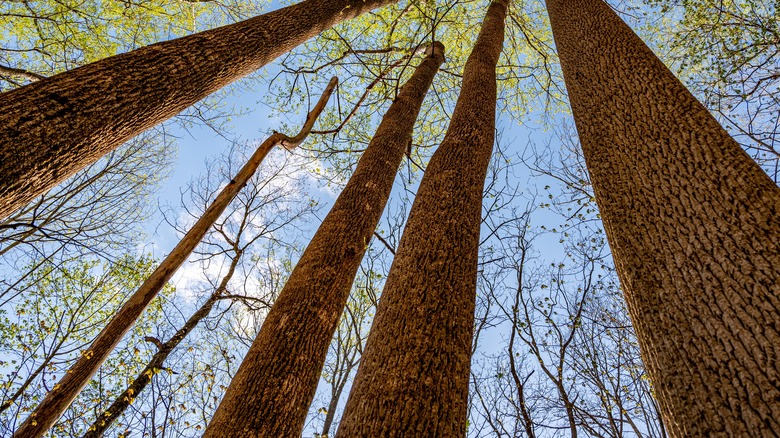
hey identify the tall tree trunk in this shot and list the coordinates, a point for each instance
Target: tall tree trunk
(273, 388)
(77, 376)
(413, 379)
(56, 126)
(103, 421)
(693, 223)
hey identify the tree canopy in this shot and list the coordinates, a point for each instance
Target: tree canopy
(553, 352)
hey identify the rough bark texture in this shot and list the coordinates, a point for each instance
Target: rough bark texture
(693, 223)
(77, 376)
(414, 374)
(54, 127)
(65, 391)
(273, 388)
(104, 420)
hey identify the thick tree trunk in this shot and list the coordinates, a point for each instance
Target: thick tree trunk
(76, 377)
(413, 379)
(693, 223)
(104, 421)
(56, 126)
(273, 388)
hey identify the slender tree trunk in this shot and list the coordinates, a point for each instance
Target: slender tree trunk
(103, 421)
(335, 397)
(349, 358)
(273, 388)
(32, 376)
(515, 318)
(77, 376)
(525, 412)
(56, 126)
(693, 223)
(413, 378)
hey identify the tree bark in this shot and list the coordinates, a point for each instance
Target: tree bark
(413, 379)
(273, 388)
(693, 223)
(125, 399)
(77, 376)
(56, 126)
(18, 72)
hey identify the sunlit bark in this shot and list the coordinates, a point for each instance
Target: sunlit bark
(693, 223)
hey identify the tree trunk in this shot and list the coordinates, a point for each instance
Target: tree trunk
(693, 223)
(103, 421)
(273, 388)
(413, 379)
(77, 376)
(56, 126)
(330, 416)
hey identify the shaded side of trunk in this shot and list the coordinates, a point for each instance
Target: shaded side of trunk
(693, 223)
(125, 399)
(273, 388)
(413, 377)
(56, 126)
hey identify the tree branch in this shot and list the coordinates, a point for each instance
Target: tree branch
(20, 73)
